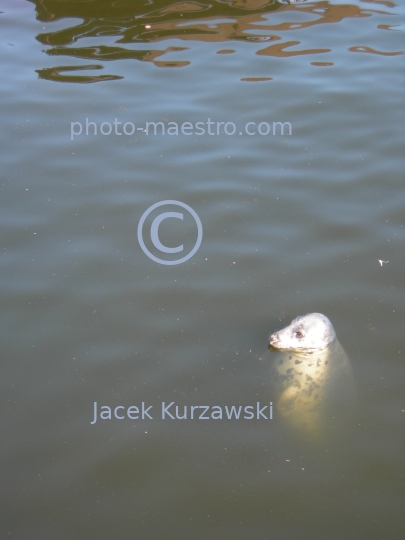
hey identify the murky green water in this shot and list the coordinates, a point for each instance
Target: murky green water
(292, 223)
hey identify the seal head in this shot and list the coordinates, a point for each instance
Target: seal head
(306, 334)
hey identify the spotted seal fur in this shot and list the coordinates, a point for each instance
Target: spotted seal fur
(312, 372)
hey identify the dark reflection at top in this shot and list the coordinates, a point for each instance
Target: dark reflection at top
(114, 29)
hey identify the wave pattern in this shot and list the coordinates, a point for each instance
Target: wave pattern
(121, 30)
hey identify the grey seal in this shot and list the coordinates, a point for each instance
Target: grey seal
(312, 373)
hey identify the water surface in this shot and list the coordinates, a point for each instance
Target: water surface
(292, 224)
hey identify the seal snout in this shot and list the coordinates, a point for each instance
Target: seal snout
(274, 339)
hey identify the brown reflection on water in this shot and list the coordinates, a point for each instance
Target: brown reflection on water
(56, 74)
(256, 79)
(184, 7)
(374, 51)
(387, 3)
(278, 50)
(125, 22)
(322, 64)
(393, 27)
(117, 53)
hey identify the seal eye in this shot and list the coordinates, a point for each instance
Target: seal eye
(299, 334)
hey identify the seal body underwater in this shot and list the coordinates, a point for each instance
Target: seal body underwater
(312, 374)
